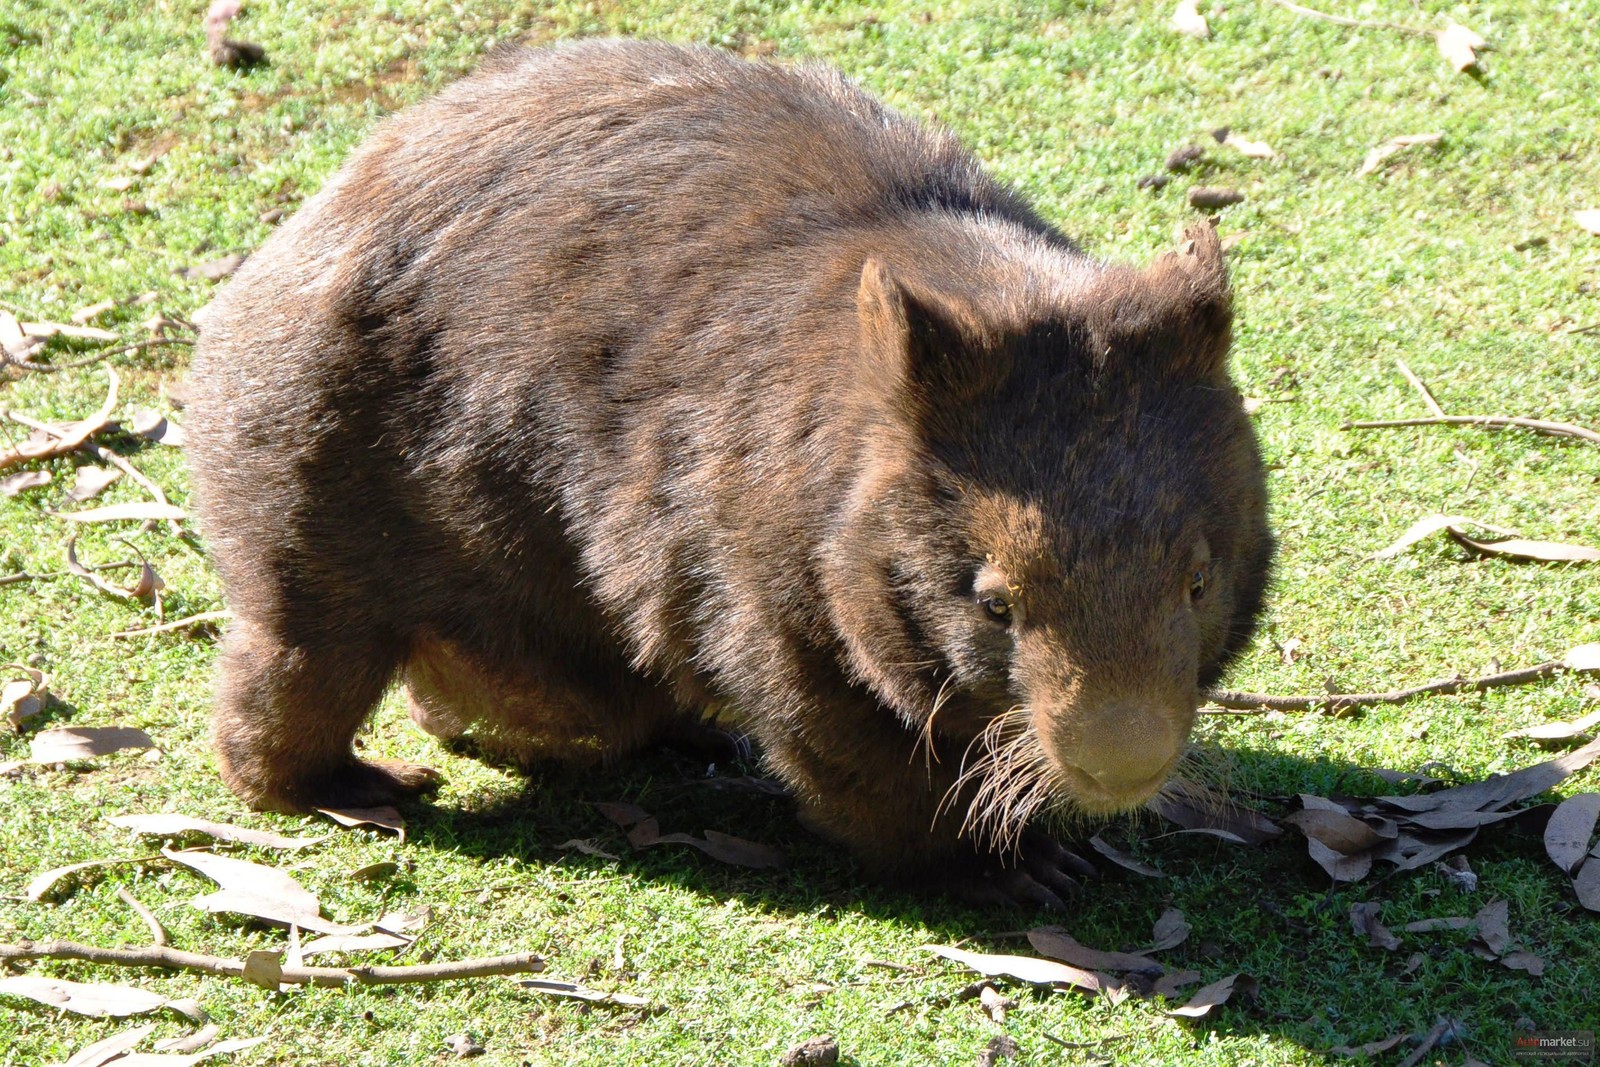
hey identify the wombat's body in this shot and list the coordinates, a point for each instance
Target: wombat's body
(620, 380)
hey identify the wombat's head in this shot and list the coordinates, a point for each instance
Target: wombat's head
(1060, 532)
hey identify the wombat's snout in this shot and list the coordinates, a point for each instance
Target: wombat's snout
(1115, 756)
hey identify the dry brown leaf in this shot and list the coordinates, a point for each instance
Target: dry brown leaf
(154, 426)
(1339, 867)
(72, 743)
(190, 1042)
(221, 1048)
(1558, 731)
(1056, 943)
(1169, 984)
(1171, 930)
(1371, 1048)
(1187, 20)
(1428, 526)
(1492, 922)
(1584, 658)
(1459, 45)
(555, 988)
(91, 311)
(216, 269)
(384, 818)
(90, 482)
(107, 1049)
(1586, 883)
(588, 848)
(1432, 926)
(47, 885)
(1023, 968)
(1501, 790)
(375, 872)
(264, 968)
(12, 484)
(82, 998)
(404, 923)
(148, 585)
(137, 511)
(1533, 551)
(1324, 821)
(622, 813)
(69, 437)
(719, 846)
(1208, 998)
(23, 698)
(1392, 146)
(378, 942)
(1365, 922)
(65, 329)
(1523, 961)
(1409, 851)
(1123, 859)
(1571, 827)
(170, 824)
(257, 891)
(1589, 220)
(1194, 808)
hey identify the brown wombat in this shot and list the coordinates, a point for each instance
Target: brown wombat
(620, 381)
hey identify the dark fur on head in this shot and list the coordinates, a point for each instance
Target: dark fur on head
(689, 381)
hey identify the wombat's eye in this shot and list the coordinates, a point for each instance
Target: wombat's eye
(1197, 584)
(996, 609)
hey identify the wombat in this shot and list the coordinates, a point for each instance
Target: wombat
(622, 381)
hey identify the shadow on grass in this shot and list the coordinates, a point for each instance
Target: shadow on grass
(1268, 912)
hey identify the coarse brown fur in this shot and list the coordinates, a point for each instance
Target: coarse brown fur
(620, 380)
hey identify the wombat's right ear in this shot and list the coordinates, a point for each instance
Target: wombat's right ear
(919, 347)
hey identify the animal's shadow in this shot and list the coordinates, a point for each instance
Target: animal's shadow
(1264, 911)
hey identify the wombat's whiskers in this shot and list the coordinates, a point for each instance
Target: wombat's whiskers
(925, 738)
(1012, 779)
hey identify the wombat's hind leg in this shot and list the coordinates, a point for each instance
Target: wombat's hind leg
(286, 716)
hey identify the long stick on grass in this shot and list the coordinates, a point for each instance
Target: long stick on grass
(1485, 422)
(1255, 703)
(197, 963)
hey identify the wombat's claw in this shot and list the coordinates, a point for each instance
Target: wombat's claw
(376, 784)
(1043, 852)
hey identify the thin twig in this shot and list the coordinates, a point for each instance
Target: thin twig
(66, 440)
(157, 932)
(1593, 327)
(1485, 422)
(194, 962)
(177, 624)
(1427, 397)
(1360, 24)
(1334, 702)
(87, 361)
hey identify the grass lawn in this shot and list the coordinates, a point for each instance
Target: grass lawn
(1460, 257)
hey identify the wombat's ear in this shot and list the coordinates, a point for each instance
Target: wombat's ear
(1177, 315)
(921, 347)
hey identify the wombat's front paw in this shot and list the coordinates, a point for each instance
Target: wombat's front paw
(354, 784)
(1040, 874)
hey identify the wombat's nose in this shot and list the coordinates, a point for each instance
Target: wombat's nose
(1128, 750)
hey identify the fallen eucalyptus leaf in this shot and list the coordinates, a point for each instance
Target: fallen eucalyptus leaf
(1056, 943)
(257, 891)
(1409, 852)
(1492, 921)
(1523, 961)
(1559, 731)
(1365, 922)
(1498, 791)
(82, 998)
(23, 698)
(1586, 883)
(1171, 930)
(107, 1049)
(1392, 146)
(622, 813)
(1324, 821)
(378, 942)
(1208, 998)
(1571, 826)
(190, 1042)
(1371, 1048)
(1169, 984)
(1589, 220)
(145, 589)
(12, 484)
(221, 1048)
(588, 848)
(1459, 45)
(1534, 551)
(154, 426)
(1123, 859)
(1193, 808)
(90, 482)
(1339, 867)
(384, 818)
(554, 988)
(1430, 926)
(1024, 968)
(1429, 525)
(72, 743)
(264, 968)
(375, 872)
(1583, 658)
(169, 824)
(405, 922)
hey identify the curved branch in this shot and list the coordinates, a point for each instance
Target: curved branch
(1337, 702)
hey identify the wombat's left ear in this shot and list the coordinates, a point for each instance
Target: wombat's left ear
(1173, 317)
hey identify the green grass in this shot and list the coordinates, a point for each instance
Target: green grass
(1337, 277)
